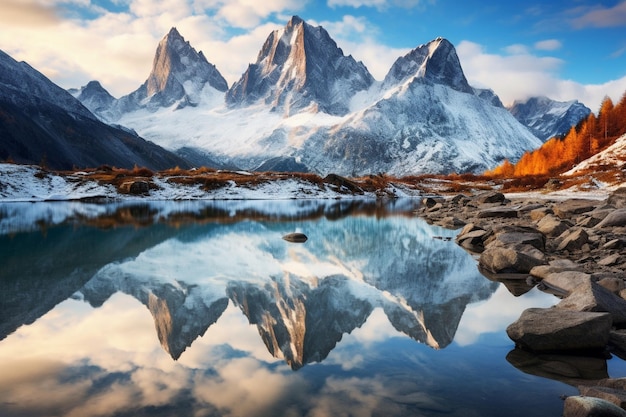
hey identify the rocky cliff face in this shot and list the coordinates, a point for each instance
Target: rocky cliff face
(298, 67)
(548, 118)
(435, 62)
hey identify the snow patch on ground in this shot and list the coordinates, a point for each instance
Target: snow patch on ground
(614, 155)
(29, 183)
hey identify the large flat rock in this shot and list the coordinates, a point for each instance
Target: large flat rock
(551, 329)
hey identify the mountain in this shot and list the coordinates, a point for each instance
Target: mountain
(93, 96)
(305, 106)
(299, 66)
(42, 123)
(180, 77)
(425, 119)
(548, 118)
(436, 62)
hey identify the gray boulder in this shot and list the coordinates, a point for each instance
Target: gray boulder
(550, 329)
(520, 258)
(613, 395)
(472, 238)
(551, 225)
(616, 218)
(526, 237)
(539, 213)
(618, 198)
(490, 197)
(566, 281)
(135, 187)
(572, 207)
(573, 239)
(590, 296)
(497, 212)
(578, 406)
(556, 265)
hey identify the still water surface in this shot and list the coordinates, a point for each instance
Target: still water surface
(202, 309)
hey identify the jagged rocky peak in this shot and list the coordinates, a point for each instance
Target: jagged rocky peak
(179, 70)
(301, 66)
(547, 118)
(435, 61)
(93, 96)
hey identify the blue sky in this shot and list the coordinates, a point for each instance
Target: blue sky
(563, 49)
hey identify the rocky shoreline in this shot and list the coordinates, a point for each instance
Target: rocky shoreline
(574, 248)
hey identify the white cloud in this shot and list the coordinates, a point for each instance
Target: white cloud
(378, 4)
(548, 45)
(522, 75)
(247, 13)
(516, 49)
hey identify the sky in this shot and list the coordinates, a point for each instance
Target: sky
(562, 49)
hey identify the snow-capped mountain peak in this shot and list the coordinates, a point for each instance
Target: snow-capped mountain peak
(548, 118)
(300, 66)
(179, 70)
(93, 96)
(436, 62)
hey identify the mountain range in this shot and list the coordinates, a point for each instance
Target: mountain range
(301, 106)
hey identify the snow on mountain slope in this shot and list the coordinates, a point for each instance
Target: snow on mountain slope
(305, 105)
(548, 118)
(420, 128)
(427, 120)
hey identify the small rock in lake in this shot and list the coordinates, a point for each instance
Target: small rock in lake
(295, 237)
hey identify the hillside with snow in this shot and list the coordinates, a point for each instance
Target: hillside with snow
(613, 157)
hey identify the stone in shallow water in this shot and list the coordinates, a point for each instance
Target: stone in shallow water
(551, 329)
(295, 237)
(589, 406)
(590, 296)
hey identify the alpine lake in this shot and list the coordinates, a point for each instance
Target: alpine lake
(201, 308)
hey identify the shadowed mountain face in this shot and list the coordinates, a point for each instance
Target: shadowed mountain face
(302, 297)
(40, 123)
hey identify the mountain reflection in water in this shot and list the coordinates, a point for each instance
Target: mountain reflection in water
(193, 265)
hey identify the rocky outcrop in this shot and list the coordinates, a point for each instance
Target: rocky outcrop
(572, 248)
(540, 329)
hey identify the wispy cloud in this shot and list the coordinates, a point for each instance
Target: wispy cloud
(548, 45)
(378, 4)
(602, 17)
